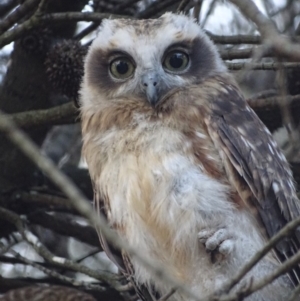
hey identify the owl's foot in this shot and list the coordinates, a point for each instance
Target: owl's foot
(219, 243)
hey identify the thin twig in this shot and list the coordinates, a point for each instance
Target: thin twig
(265, 94)
(284, 232)
(209, 12)
(34, 242)
(182, 5)
(288, 122)
(42, 7)
(295, 294)
(6, 247)
(7, 6)
(125, 4)
(62, 114)
(235, 39)
(35, 20)
(43, 200)
(232, 54)
(87, 30)
(55, 274)
(17, 15)
(284, 268)
(155, 8)
(197, 10)
(271, 37)
(262, 66)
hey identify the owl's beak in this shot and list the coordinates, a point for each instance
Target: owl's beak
(150, 85)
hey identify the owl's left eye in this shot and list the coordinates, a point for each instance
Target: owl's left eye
(176, 61)
(121, 68)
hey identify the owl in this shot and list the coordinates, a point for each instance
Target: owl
(182, 167)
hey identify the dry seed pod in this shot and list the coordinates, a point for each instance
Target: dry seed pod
(64, 67)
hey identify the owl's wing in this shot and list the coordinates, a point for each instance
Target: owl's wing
(247, 145)
(121, 260)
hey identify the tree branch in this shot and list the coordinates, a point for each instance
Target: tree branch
(284, 232)
(261, 66)
(17, 14)
(233, 54)
(271, 37)
(33, 241)
(62, 114)
(235, 39)
(34, 21)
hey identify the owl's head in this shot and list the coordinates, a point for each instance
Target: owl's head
(146, 59)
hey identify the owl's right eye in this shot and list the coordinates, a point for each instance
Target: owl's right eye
(121, 68)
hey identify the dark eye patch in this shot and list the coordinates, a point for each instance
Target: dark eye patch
(202, 59)
(98, 69)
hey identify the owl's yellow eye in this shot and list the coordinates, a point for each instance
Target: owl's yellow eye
(121, 68)
(176, 61)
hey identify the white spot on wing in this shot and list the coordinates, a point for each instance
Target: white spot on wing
(241, 130)
(282, 157)
(271, 149)
(200, 135)
(275, 187)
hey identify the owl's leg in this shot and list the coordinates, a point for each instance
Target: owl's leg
(220, 243)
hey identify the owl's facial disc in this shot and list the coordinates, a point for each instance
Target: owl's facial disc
(145, 60)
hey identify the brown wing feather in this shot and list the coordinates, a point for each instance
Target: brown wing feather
(249, 146)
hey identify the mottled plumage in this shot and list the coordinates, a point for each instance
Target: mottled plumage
(181, 166)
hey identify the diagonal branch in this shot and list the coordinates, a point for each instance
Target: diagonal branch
(270, 35)
(17, 15)
(36, 20)
(61, 114)
(285, 231)
(33, 241)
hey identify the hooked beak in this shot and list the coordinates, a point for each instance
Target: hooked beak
(150, 85)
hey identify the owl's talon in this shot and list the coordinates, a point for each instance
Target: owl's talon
(221, 240)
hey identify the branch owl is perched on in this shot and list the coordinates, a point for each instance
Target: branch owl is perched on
(182, 167)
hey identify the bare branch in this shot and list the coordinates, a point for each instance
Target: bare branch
(7, 6)
(261, 66)
(43, 200)
(282, 269)
(45, 253)
(17, 15)
(284, 232)
(235, 39)
(36, 20)
(63, 114)
(295, 294)
(66, 226)
(280, 44)
(182, 5)
(232, 54)
(155, 8)
(86, 31)
(54, 273)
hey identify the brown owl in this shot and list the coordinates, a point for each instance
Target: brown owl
(181, 165)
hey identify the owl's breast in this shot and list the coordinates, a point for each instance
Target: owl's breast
(154, 182)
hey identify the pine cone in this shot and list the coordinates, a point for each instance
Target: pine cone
(64, 67)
